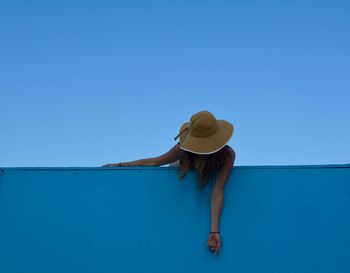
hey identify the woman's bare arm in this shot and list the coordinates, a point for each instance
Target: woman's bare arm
(217, 194)
(217, 197)
(172, 155)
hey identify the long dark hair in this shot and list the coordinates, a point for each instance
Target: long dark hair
(204, 165)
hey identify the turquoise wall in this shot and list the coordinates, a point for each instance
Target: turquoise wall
(142, 219)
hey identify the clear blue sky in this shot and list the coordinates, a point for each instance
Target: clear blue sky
(84, 83)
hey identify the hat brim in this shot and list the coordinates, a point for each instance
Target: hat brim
(207, 145)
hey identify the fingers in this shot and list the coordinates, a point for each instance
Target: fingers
(216, 251)
(211, 244)
(218, 246)
(213, 247)
(214, 244)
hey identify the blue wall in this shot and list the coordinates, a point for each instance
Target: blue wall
(142, 219)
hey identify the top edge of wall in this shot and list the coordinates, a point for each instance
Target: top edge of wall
(2, 169)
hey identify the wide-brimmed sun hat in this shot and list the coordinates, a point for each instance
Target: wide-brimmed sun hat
(204, 134)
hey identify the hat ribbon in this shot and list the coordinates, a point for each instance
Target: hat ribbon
(186, 129)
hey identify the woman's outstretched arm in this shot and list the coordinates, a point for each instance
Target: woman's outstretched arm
(217, 197)
(140, 162)
(172, 155)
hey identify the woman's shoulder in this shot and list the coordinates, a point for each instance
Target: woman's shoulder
(230, 150)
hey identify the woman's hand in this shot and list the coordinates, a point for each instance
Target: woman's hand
(214, 242)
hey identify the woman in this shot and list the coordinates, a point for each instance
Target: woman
(202, 147)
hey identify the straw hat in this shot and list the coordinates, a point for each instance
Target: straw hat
(204, 134)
